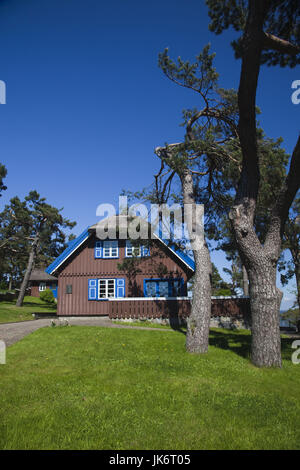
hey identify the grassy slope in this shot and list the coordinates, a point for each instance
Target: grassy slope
(100, 388)
(10, 313)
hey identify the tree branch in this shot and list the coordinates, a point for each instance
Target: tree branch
(284, 201)
(279, 45)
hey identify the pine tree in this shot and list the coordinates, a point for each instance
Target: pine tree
(31, 231)
(270, 35)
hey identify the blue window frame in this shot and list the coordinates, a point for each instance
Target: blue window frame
(105, 288)
(110, 249)
(163, 287)
(138, 251)
(107, 249)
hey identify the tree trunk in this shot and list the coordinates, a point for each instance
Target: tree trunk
(260, 260)
(245, 281)
(297, 275)
(10, 283)
(199, 319)
(30, 264)
(265, 301)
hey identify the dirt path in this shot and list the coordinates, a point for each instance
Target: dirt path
(10, 333)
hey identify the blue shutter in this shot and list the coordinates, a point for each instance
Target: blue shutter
(145, 251)
(120, 287)
(93, 289)
(98, 249)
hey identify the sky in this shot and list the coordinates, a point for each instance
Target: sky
(86, 103)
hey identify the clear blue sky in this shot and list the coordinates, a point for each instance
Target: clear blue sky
(87, 103)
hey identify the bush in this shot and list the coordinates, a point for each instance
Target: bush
(221, 292)
(47, 296)
(3, 285)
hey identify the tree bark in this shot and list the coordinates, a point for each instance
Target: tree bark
(260, 261)
(245, 281)
(297, 275)
(265, 301)
(10, 283)
(198, 323)
(26, 278)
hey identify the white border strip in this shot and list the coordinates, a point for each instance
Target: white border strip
(147, 298)
(112, 299)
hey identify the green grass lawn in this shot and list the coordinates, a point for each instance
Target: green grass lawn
(10, 313)
(146, 323)
(103, 388)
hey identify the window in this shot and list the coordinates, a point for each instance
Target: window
(132, 250)
(163, 287)
(138, 250)
(110, 249)
(106, 288)
(69, 289)
(176, 288)
(150, 289)
(42, 286)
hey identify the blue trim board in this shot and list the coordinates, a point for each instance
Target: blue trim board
(68, 251)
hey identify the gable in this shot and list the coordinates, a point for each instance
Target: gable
(72, 247)
(86, 241)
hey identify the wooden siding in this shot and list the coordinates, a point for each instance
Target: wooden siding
(159, 308)
(142, 308)
(82, 266)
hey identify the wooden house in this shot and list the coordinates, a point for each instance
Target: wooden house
(149, 281)
(90, 281)
(40, 281)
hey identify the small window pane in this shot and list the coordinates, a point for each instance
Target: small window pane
(163, 289)
(151, 289)
(110, 288)
(137, 251)
(102, 288)
(129, 251)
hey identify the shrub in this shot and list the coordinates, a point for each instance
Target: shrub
(47, 296)
(221, 292)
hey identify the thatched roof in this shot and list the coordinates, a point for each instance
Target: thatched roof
(122, 222)
(41, 275)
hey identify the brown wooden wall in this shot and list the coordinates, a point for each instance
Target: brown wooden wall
(34, 291)
(83, 266)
